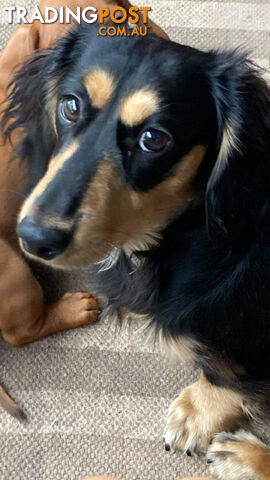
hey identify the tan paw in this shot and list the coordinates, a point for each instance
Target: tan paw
(201, 411)
(187, 428)
(239, 456)
(77, 309)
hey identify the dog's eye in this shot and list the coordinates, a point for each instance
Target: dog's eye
(153, 140)
(70, 108)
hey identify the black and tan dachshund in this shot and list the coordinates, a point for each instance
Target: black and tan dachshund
(150, 161)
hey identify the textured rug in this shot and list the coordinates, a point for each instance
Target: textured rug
(96, 397)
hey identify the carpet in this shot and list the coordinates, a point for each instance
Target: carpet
(96, 396)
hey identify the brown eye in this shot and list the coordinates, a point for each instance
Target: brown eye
(153, 140)
(70, 109)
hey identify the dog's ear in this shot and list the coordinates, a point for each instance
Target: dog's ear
(239, 184)
(26, 112)
(31, 104)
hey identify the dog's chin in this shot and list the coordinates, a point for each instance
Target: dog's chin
(71, 259)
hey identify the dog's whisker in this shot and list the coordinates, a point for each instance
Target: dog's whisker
(18, 194)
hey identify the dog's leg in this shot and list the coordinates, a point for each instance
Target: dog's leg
(23, 316)
(201, 411)
(240, 456)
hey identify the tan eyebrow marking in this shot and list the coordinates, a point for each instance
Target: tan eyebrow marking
(138, 106)
(100, 86)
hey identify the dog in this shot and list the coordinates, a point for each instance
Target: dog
(153, 164)
(23, 315)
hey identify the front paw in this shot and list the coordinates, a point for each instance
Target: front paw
(239, 456)
(186, 427)
(201, 411)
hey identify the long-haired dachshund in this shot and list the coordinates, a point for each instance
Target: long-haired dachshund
(154, 163)
(23, 315)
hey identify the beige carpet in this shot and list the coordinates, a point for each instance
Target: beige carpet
(95, 397)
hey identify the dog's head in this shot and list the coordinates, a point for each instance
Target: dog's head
(120, 130)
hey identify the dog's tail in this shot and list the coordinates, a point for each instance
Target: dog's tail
(10, 406)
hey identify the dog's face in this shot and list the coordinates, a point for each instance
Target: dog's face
(123, 128)
(131, 121)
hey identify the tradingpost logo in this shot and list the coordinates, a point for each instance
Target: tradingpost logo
(137, 18)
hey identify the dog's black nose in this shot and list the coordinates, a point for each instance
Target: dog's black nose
(43, 242)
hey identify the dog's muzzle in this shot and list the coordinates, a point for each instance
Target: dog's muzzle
(44, 242)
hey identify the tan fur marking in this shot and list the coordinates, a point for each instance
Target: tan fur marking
(52, 103)
(55, 165)
(100, 86)
(229, 142)
(138, 106)
(179, 348)
(201, 411)
(52, 112)
(115, 215)
(239, 456)
(185, 349)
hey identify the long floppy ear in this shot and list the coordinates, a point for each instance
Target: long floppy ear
(27, 111)
(238, 187)
(31, 104)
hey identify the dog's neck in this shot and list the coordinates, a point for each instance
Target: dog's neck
(132, 249)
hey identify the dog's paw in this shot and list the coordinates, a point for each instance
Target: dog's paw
(239, 456)
(77, 309)
(187, 428)
(201, 411)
